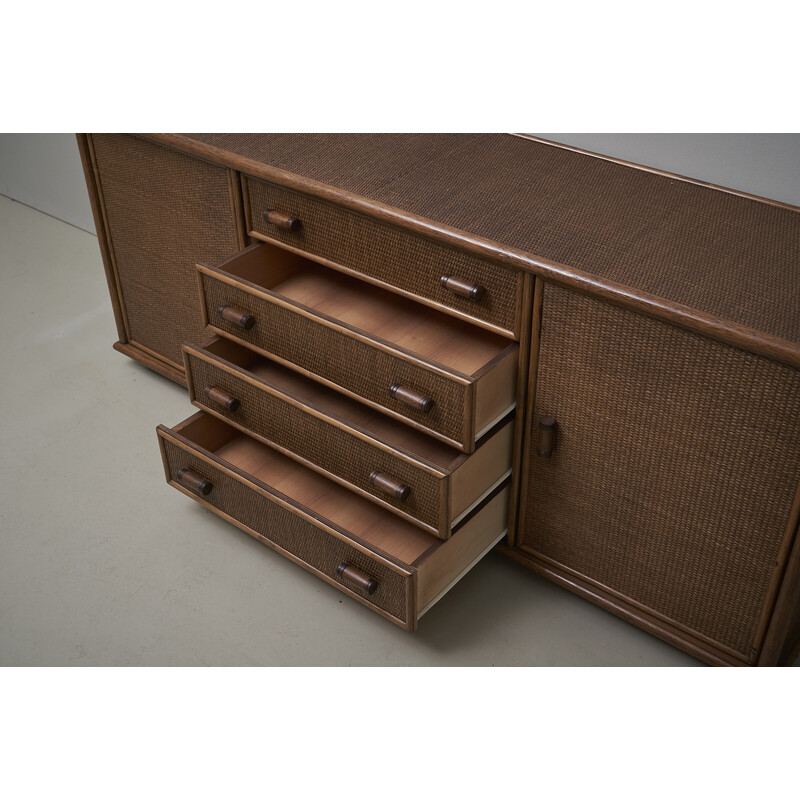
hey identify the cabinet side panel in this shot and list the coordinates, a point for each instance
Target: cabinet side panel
(674, 468)
(165, 211)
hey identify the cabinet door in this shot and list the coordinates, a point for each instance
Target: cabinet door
(162, 211)
(672, 476)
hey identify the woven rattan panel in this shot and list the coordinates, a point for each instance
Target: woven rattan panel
(322, 443)
(394, 256)
(339, 358)
(307, 542)
(722, 254)
(165, 211)
(675, 464)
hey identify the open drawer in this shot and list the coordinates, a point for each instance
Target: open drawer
(374, 556)
(423, 480)
(439, 374)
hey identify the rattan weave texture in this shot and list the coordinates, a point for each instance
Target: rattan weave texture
(685, 243)
(165, 210)
(339, 358)
(323, 443)
(304, 540)
(675, 464)
(397, 257)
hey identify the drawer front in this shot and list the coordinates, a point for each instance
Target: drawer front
(362, 370)
(390, 255)
(673, 467)
(314, 547)
(331, 448)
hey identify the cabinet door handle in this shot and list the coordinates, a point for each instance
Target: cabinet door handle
(195, 481)
(472, 291)
(547, 436)
(388, 485)
(411, 398)
(238, 317)
(222, 398)
(357, 577)
(280, 220)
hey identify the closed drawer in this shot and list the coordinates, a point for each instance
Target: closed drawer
(371, 555)
(436, 373)
(389, 255)
(424, 481)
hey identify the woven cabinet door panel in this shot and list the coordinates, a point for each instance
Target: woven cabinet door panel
(674, 468)
(164, 211)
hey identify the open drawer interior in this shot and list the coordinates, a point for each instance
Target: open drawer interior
(419, 329)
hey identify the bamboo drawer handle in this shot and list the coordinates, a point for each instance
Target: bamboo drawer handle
(357, 577)
(195, 481)
(222, 398)
(411, 398)
(280, 220)
(388, 485)
(547, 436)
(472, 291)
(238, 317)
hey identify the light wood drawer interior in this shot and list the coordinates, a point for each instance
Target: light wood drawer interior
(372, 555)
(387, 254)
(442, 375)
(421, 479)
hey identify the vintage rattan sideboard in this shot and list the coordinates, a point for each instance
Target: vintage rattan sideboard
(409, 349)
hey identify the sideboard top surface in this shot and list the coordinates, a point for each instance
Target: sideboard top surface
(726, 255)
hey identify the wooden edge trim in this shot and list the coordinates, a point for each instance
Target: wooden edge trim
(641, 619)
(506, 333)
(169, 370)
(202, 291)
(526, 414)
(197, 351)
(235, 189)
(635, 604)
(383, 409)
(715, 327)
(254, 484)
(107, 246)
(523, 365)
(329, 322)
(187, 371)
(519, 325)
(656, 171)
(787, 599)
(246, 214)
(95, 200)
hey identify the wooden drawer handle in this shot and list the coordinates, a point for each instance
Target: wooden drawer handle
(547, 436)
(222, 398)
(411, 398)
(388, 485)
(195, 481)
(472, 291)
(280, 220)
(237, 316)
(357, 577)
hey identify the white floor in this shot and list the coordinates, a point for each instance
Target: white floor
(101, 563)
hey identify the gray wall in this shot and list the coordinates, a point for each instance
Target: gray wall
(43, 170)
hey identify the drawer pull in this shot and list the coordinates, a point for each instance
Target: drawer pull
(411, 398)
(238, 317)
(357, 577)
(547, 436)
(472, 291)
(280, 220)
(195, 481)
(222, 398)
(388, 485)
